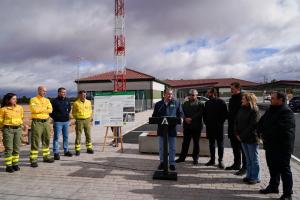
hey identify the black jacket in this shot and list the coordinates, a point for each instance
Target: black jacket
(172, 109)
(277, 127)
(234, 106)
(61, 109)
(246, 125)
(214, 116)
(193, 110)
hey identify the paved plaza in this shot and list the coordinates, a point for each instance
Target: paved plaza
(115, 175)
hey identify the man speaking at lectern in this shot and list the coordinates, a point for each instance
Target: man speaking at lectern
(170, 107)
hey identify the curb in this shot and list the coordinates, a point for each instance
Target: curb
(295, 158)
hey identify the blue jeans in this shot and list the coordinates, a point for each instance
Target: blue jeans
(64, 128)
(252, 159)
(172, 149)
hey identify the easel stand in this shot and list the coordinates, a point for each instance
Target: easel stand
(117, 137)
(165, 122)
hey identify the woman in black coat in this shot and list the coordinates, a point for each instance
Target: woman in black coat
(246, 131)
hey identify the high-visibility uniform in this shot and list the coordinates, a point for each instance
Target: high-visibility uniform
(40, 108)
(11, 119)
(82, 112)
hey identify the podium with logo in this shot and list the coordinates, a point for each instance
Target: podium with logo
(165, 122)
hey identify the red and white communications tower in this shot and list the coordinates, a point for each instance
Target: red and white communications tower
(119, 47)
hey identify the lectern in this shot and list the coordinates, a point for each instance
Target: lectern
(164, 122)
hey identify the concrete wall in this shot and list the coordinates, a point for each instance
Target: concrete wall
(157, 91)
(149, 92)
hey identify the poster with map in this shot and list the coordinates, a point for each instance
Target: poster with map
(114, 108)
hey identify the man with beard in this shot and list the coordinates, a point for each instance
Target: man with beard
(214, 116)
(235, 103)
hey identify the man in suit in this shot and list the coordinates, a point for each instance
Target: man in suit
(277, 127)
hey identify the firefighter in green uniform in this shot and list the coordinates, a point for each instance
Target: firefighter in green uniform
(11, 120)
(82, 112)
(40, 108)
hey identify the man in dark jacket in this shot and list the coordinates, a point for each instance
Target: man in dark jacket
(214, 116)
(192, 126)
(61, 117)
(168, 106)
(277, 127)
(235, 103)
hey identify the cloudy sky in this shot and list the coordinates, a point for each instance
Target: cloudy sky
(41, 41)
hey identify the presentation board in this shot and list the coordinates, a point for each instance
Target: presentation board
(114, 108)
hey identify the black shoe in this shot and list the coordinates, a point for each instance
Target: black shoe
(179, 160)
(56, 156)
(286, 197)
(269, 190)
(68, 153)
(77, 153)
(246, 179)
(195, 162)
(252, 182)
(210, 163)
(90, 151)
(221, 165)
(241, 172)
(160, 166)
(233, 167)
(48, 160)
(34, 165)
(16, 168)
(172, 167)
(9, 169)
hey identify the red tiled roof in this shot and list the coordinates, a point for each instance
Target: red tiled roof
(107, 76)
(224, 82)
(135, 75)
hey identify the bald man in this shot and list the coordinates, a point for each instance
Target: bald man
(40, 108)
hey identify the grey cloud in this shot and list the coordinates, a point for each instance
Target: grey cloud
(40, 41)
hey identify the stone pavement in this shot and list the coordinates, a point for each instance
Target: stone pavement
(115, 175)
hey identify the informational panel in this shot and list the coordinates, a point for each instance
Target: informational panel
(114, 108)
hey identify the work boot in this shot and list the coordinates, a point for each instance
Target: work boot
(210, 163)
(90, 151)
(9, 169)
(221, 165)
(48, 160)
(77, 153)
(56, 156)
(16, 168)
(68, 153)
(34, 165)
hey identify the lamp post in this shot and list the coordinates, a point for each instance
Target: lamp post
(78, 71)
